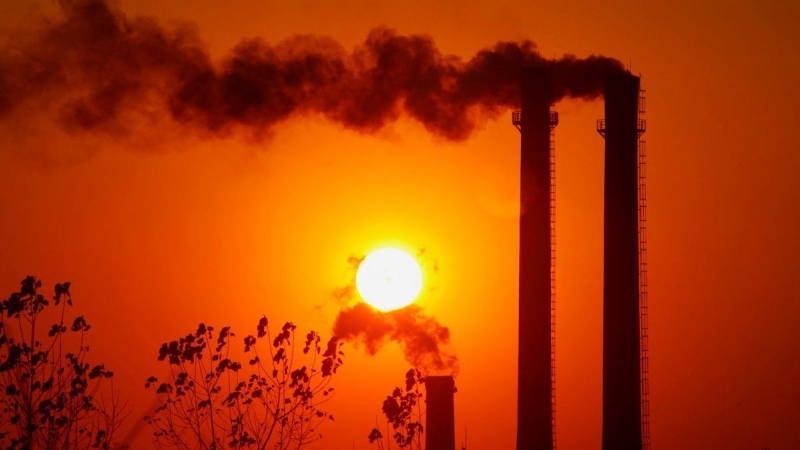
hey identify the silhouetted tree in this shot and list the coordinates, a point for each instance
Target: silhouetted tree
(212, 401)
(51, 397)
(403, 412)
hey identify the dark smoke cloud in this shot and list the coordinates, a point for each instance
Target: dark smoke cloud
(425, 342)
(97, 69)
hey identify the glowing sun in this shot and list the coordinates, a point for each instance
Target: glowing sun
(389, 279)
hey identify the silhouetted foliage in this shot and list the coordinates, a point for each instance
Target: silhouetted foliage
(403, 412)
(52, 396)
(214, 401)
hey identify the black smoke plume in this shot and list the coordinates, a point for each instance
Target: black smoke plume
(96, 70)
(424, 341)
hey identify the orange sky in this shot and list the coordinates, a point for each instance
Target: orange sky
(165, 229)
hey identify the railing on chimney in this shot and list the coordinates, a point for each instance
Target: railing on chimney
(516, 119)
(641, 124)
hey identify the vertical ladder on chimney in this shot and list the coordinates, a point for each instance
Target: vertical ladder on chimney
(553, 123)
(643, 313)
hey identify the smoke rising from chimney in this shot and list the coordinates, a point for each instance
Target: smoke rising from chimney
(424, 341)
(97, 69)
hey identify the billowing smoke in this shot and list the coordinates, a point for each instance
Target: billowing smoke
(425, 342)
(97, 70)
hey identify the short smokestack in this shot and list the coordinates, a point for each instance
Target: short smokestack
(440, 429)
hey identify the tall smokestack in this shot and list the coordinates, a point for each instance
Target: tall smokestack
(440, 429)
(535, 385)
(622, 426)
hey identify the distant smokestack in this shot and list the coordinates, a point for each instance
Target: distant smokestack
(440, 430)
(535, 385)
(622, 420)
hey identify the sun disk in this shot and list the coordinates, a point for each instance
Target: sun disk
(389, 279)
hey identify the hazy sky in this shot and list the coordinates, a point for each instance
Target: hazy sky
(160, 226)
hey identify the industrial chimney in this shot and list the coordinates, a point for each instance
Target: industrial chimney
(536, 363)
(624, 364)
(440, 429)
(622, 411)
